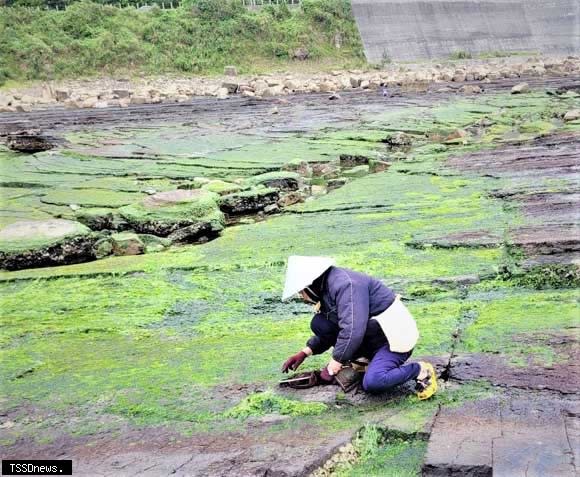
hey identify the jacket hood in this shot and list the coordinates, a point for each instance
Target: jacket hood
(302, 271)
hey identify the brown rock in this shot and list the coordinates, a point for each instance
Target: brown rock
(521, 88)
(230, 71)
(300, 54)
(290, 199)
(61, 95)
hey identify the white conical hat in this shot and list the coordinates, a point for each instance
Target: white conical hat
(302, 271)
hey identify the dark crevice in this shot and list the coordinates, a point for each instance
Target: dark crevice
(468, 317)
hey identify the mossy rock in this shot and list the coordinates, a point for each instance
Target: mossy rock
(100, 218)
(358, 171)
(103, 248)
(398, 139)
(222, 187)
(153, 243)
(127, 243)
(299, 166)
(40, 243)
(352, 160)
(283, 180)
(249, 202)
(163, 213)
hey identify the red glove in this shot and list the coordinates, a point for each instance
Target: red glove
(325, 376)
(293, 362)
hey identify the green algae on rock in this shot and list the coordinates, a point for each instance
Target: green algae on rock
(221, 187)
(100, 218)
(127, 243)
(277, 180)
(166, 213)
(267, 402)
(249, 201)
(36, 243)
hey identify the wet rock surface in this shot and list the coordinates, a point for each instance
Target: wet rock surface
(29, 142)
(523, 170)
(192, 212)
(27, 244)
(511, 436)
(151, 353)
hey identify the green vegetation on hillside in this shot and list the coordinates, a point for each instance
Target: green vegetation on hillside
(201, 36)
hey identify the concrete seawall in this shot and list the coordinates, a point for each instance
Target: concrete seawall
(425, 29)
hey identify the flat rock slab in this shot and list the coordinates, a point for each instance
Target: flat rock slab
(162, 199)
(552, 215)
(53, 229)
(557, 377)
(160, 452)
(505, 437)
(38, 243)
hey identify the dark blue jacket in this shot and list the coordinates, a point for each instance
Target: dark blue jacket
(350, 299)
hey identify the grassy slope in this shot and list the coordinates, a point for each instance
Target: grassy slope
(200, 37)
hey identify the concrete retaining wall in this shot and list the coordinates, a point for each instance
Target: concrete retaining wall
(424, 29)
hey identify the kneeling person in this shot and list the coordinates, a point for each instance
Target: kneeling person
(346, 302)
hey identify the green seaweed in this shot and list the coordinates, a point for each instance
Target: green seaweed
(267, 402)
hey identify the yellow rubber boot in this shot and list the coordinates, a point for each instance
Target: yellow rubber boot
(428, 386)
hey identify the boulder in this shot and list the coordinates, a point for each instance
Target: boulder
(259, 86)
(248, 202)
(127, 243)
(61, 95)
(122, 93)
(459, 76)
(29, 142)
(351, 160)
(164, 213)
(290, 199)
(271, 209)
(355, 81)
(378, 166)
(292, 85)
(326, 87)
(89, 103)
(153, 243)
(298, 165)
(470, 89)
(230, 86)
(326, 170)
(41, 243)
(245, 88)
(573, 115)
(288, 181)
(300, 54)
(398, 139)
(266, 92)
(521, 88)
(230, 71)
(103, 248)
(333, 184)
